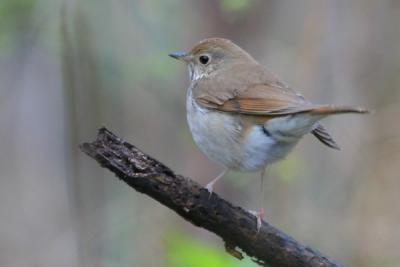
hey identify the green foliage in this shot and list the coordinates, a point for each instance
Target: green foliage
(14, 20)
(289, 169)
(13, 9)
(235, 5)
(185, 252)
(235, 10)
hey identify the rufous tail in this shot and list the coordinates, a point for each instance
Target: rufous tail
(332, 109)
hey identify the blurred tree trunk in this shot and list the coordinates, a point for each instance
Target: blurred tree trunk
(81, 89)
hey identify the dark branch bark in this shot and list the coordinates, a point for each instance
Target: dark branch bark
(236, 226)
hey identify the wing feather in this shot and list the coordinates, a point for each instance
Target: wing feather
(253, 91)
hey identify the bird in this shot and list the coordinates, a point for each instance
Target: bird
(244, 117)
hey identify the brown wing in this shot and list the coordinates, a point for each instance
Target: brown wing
(253, 91)
(261, 100)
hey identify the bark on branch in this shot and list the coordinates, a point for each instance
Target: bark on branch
(236, 226)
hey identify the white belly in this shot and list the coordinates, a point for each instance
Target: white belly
(222, 139)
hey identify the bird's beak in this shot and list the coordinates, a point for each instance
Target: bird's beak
(180, 56)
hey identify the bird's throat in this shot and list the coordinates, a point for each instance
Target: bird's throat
(195, 73)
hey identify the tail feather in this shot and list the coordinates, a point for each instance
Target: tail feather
(331, 109)
(323, 135)
(324, 110)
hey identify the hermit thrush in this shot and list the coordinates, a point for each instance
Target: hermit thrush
(243, 116)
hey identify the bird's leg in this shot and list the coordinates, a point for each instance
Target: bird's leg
(210, 185)
(260, 213)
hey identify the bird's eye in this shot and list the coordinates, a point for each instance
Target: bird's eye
(204, 59)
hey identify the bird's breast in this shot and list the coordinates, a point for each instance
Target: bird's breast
(228, 140)
(215, 133)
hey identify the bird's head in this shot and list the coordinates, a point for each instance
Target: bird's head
(211, 55)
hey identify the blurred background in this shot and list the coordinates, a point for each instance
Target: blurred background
(70, 67)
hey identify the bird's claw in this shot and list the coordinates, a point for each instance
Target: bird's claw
(209, 188)
(259, 217)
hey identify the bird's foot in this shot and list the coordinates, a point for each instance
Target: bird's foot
(259, 216)
(210, 187)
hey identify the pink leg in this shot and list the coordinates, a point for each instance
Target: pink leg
(260, 213)
(210, 185)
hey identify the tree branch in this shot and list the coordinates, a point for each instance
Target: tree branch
(236, 226)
